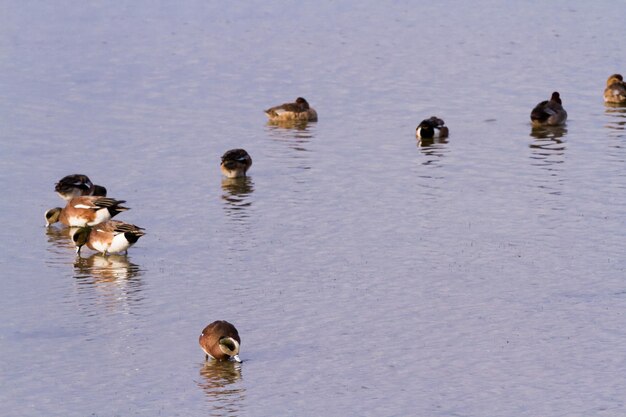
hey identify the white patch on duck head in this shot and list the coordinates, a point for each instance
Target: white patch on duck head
(229, 346)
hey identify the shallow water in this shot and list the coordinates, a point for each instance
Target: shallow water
(368, 274)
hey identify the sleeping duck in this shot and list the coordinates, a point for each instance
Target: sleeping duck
(300, 110)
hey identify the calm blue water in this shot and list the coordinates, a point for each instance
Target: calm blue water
(367, 275)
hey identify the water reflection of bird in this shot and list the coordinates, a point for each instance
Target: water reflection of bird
(295, 134)
(429, 142)
(236, 195)
(548, 132)
(289, 124)
(60, 237)
(111, 282)
(290, 143)
(433, 148)
(219, 381)
(109, 268)
(617, 120)
(548, 149)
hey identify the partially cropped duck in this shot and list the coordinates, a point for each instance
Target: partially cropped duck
(85, 211)
(432, 127)
(112, 236)
(300, 110)
(77, 185)
(220, 340)
(235, 163)
(549, 112)
(615, 91)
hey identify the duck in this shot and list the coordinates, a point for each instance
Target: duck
(85, 211)
(549, 112)
(112, 236)
(615, 91)
(220, 341)
(431, 128)
(300, 110)
(77, 185)
(235, 163)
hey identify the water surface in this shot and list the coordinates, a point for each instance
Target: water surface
(367, 273)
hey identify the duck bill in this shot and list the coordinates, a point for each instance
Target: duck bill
(236, 358)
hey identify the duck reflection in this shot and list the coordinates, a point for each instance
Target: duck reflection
(219, 381)
(101, 268)
(548, 148)
(548, 153)
(548, 132)
(296, 135)
(61, 237)
(113, 278)
(296, 125)
(433, 149)
(617, 118)
(236, 196)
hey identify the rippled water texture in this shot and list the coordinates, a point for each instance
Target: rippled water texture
(368, 273)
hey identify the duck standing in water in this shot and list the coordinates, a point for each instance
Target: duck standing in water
(112, 236)
(300, 110)
(220, 341)
(549, 112)
(85, 211)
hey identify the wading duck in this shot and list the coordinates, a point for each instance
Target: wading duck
(85, 211)
(220, 340)
(112, 236)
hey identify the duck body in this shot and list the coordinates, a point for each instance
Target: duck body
(432, 127)
(235, 163)
(220, 341)
(85, 211)
(297, 111)
(549, 112)
(615, 91)
(77, 185)
(112, 236)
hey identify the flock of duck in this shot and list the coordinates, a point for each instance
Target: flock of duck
(88, 212)
(548, 113)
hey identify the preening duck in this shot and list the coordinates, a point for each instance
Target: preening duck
(549, 112)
